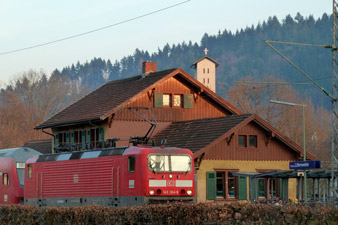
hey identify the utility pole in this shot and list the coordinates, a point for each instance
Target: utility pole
(334, 141)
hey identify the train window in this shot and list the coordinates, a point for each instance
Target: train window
(5, 179)
(169, 163)
(180, 163)
(29, 171)
(131, 163)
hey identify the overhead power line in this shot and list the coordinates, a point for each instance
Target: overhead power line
(95, 30)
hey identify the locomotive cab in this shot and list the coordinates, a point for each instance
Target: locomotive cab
(165, 174)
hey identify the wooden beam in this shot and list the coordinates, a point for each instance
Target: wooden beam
(229, 138)
(110, 120)
(151, 93)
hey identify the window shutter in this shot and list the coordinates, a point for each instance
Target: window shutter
(88, 139)
(67, 137)
(254, 189)
(188, 101)
(101, 136)
(83, 134)
(72, 137)
(158, 100)
(242, 188)
(280, 188)
(211, 185)
(56, 140)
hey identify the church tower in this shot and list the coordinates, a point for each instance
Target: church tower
(206, 71)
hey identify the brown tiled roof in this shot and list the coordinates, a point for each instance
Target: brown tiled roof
(42, 146)
(103, 99)
(196, 134)
(206, 57)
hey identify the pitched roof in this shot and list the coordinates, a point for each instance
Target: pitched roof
(42, 146)
(196, 135)
(205, 57)
(104, 101)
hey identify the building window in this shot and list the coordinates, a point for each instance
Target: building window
(29, 171)
(131, 163)
(78, 137)
(62, 138)
(208, 70)
(226, 185)
(177, 100)
(203, 70)
(203, 80)
(261, 187)
(253, 141)
(247, 140)
(5, 179)
(166, 100)
(242, 140)
(208, 80)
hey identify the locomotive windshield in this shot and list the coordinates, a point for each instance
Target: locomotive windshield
(169, 163)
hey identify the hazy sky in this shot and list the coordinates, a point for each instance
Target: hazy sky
(28, 23)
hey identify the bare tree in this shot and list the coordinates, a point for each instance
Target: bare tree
(254, 97)
(30, 99)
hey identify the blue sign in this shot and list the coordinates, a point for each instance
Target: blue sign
(304, 165)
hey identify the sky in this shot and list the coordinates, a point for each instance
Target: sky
(34, 22)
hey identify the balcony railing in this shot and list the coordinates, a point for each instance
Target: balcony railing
(70, 147)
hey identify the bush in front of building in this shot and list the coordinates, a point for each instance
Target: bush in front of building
(178, 213)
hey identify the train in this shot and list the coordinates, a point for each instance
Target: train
(114, 176)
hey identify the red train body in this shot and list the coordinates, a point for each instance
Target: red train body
(12, 173)
(11, 191)
(110, 177)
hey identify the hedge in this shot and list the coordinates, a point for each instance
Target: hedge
(179, 213)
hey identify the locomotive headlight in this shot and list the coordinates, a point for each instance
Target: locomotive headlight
(151, 192)
(189, 192)
(170, 176)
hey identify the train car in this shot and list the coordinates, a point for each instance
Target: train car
(12, 169)
(114, 177)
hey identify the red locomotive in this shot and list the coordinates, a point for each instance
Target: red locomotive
(12, 171)
(114, 177)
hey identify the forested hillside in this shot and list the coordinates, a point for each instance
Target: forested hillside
(239, 54)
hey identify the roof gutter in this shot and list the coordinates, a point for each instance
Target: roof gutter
(65, 123)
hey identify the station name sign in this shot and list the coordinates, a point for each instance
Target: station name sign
(304, 165)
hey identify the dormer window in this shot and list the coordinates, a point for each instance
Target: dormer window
(177, 100)
(166, 100)
(185, 101)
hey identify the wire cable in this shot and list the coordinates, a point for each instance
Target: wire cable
(95, 30)
(302, 44)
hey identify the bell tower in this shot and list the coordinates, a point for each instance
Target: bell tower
(206, 71)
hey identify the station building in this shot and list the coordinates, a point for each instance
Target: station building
(187, 113)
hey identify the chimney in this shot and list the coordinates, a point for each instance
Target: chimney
(148, 67)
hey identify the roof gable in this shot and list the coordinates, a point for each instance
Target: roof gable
(104, 101)
(207, 58)
(197, 135)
